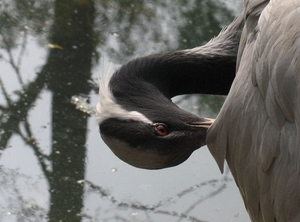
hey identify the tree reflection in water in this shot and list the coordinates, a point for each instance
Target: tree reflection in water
(75, 35)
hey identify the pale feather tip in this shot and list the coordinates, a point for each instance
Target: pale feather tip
(105, 96)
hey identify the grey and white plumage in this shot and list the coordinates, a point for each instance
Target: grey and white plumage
(258, 128)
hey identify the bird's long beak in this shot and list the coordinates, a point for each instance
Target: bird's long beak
(207, 123)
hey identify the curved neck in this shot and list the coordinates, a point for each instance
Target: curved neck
(188, 73)
(209, 69)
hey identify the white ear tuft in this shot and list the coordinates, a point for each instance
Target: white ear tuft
(105, 96)
(107, 106)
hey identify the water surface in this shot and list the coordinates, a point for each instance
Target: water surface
(53, 163)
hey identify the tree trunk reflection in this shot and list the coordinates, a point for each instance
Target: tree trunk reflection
(69, 69)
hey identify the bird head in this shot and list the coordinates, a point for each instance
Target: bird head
(141, 125)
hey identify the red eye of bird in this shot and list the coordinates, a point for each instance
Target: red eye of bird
(161, 129)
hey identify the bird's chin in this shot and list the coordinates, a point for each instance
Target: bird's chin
(144, 158)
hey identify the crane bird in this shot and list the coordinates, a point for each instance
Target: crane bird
(256, 61)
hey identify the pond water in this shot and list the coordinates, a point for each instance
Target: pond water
(53, 163)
